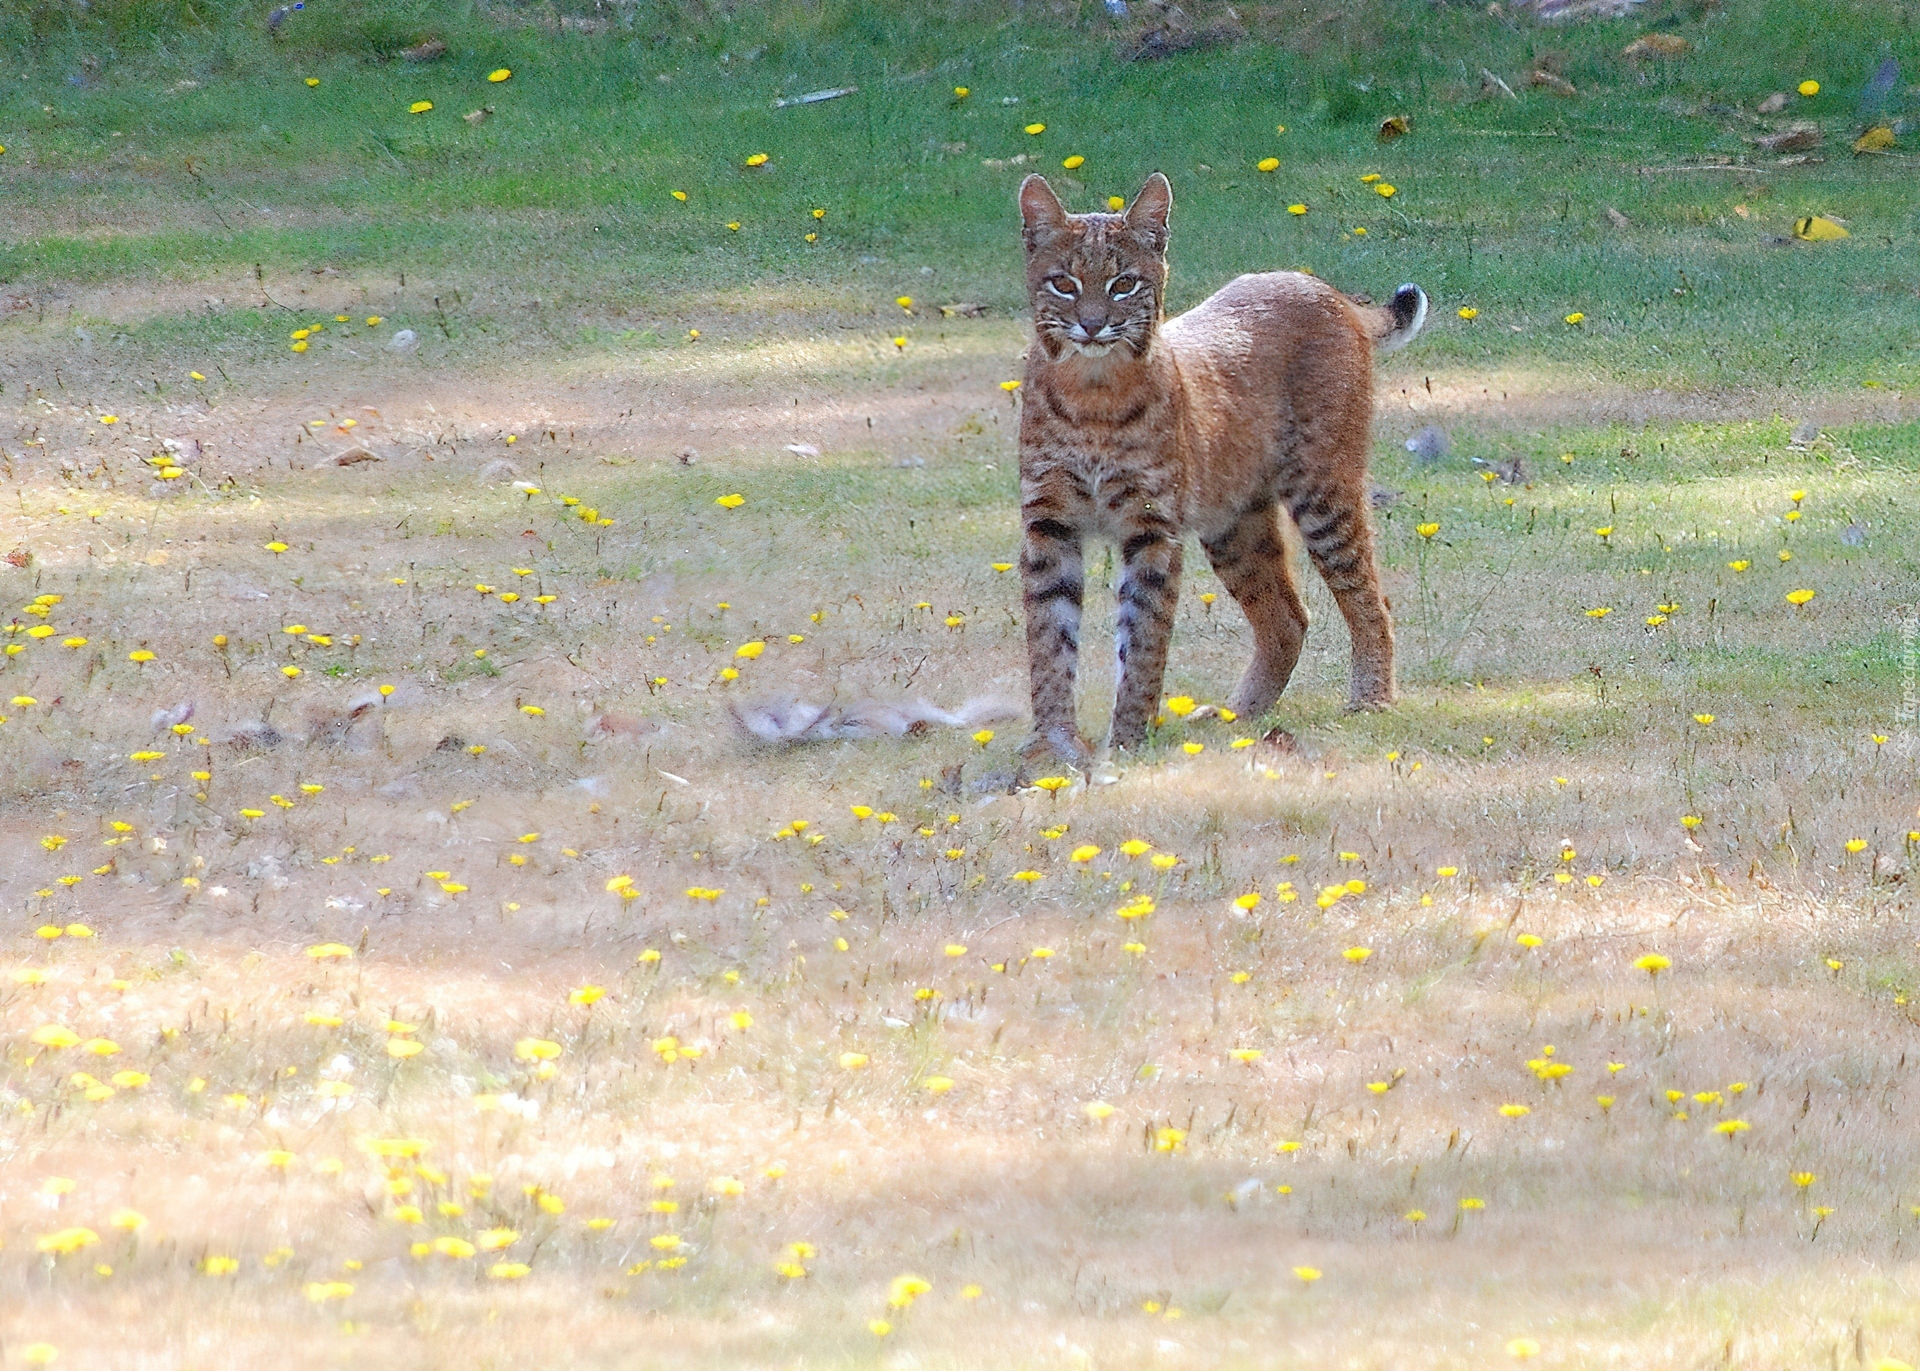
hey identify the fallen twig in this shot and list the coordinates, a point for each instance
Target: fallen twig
(815, 97)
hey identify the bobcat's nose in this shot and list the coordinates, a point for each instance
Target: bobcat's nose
(1092, 324)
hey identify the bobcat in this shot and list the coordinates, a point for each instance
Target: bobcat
(1142, 431)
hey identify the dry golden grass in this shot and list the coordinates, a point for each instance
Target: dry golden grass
(1636, 1233)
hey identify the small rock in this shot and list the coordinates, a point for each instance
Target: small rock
(164, 719)
(1656, 45)
(1796, 139)
(1617, 219)
(478, 116)
(401, 788)
(356, 727)
(1774, 103)
(1854, 534)
(1512, 473)
(251, 735)
(802, 449)
(499, 469)
(1879, 138)
(269, 869)
(993, 782)
(430, 51)
(905, 462)
(687, 456)
(406, 340)
(1805, 434)
(1281, 740)
(1430, 444)
(353, 456)
(1548, 81)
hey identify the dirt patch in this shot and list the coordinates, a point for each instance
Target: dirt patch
(721, 399)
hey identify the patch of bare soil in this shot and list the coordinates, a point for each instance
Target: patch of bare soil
(408, 414)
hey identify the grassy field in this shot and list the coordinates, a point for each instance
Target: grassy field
(413, 963)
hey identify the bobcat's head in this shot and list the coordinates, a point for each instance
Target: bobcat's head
(1096, 280)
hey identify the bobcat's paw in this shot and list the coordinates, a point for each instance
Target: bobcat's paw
(1369, 704)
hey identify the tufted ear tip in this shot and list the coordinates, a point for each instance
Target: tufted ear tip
(1040, 208)
(1148, 213)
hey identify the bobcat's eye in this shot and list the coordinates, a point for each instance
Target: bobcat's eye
(1120, 287)
(1063, 286)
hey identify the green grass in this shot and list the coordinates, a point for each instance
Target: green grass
(1542, 809)
(1499, 206)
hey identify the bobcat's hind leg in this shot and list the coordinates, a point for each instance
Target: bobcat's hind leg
(1252, 563)
(1333, 523)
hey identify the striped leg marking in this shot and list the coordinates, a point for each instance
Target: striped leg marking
(1251, 561)
(1334, 526)
(1149, 592)
(1052, 582)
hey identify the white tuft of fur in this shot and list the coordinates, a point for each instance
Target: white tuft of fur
(1406, 323)
(797, 721)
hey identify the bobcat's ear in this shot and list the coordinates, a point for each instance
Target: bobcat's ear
(1041, 213)
(1147, 215)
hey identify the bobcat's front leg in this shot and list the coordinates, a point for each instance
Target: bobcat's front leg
(1143, 627)
(1052, 582)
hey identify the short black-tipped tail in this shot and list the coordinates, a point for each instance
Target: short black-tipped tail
(1407, 314)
